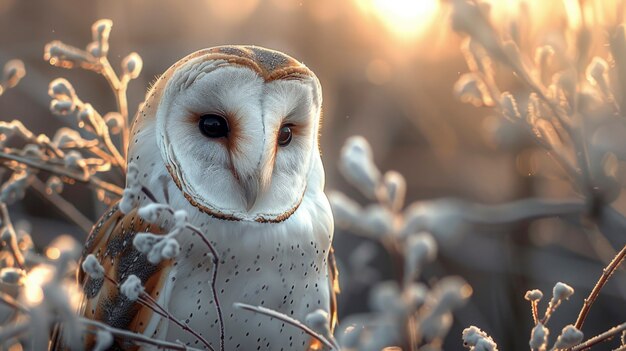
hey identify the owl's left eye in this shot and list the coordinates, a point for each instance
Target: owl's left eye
(284, 135)
(213, 126)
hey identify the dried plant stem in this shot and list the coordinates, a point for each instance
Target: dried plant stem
(216, 261)
(607, 335)
(119, 87)
(606, 274)
(135, 337)
(288, 320)
(549, 311)
(66, 207)
(11, 241)
(62, 171)
(535, 312)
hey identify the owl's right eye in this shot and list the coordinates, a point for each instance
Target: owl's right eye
(213, 126)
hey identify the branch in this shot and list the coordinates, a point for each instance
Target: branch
(609, 334)
(606, 274)
(119, 88)
(90, 180)
(11, 241)
(135, 336)
(288, 320)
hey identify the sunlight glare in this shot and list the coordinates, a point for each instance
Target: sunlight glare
(405, 18)
(33, 283)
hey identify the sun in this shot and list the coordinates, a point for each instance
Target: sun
(405, 18)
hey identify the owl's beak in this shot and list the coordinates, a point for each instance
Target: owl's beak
(251, 191)
(254, 186)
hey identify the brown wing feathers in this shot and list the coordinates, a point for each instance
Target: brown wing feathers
(111, 241)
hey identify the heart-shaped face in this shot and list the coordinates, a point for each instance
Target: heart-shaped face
(237, 129)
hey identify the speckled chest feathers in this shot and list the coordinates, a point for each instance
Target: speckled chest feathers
(230, 135)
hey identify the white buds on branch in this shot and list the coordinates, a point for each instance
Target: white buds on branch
(539, 338)
(12, 73)
(92, 267)
(66, 56)
(477, 340)
(100, 32)
(132, 287)
(420, 249)
(132, 65)
(569, 337)
(358, 167)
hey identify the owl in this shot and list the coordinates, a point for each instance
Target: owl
(230, 135)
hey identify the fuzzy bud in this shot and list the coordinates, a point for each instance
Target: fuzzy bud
(477, 340)
(92, 267)
(131, 287)
(358, 167)
(62, 107)
(539, 337)
(144, 242)
(561, 292)
(570, 337)
(319, 321)
(13, 72)
(66, 56)
(420, 248)
(61, 89)
(170, 248)
(100, 32)
(181, 218)
(73, 159)
(130, 200)
(533, 295)
(152, 212)
(395, 184)
(10, 275)
(54, 185)
(114, 122)
(132, 65)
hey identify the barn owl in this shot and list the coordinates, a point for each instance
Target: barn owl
(229, 134)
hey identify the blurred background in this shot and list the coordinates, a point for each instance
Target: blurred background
(387, 68)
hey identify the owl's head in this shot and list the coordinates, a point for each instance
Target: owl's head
(237, 130)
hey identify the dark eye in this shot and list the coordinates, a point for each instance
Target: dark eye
(284, 135)
(213, 126)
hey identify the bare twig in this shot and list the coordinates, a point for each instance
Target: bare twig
(11, 241)
(606, 274)
(535, 312)
(119, 88)
(216, 261)
(607, 335)
(135, 337)
(288, 320)
(62, 171)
